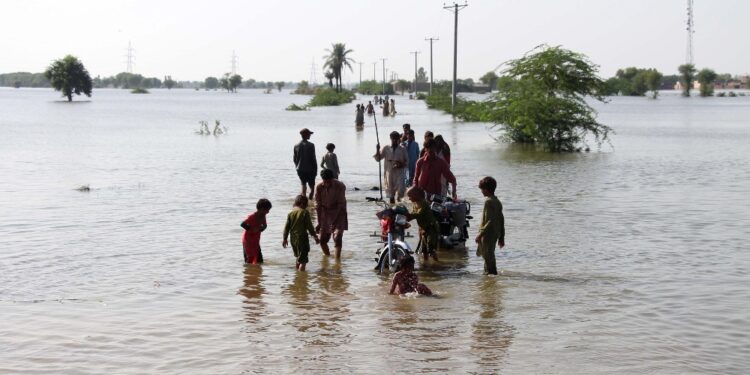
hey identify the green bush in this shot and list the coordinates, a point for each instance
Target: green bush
(294, 107)
(329, 97)
(374, 88)
(139, 90)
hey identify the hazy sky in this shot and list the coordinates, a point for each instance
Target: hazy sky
(277, 40)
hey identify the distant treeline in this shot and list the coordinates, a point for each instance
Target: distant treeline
(131, 80)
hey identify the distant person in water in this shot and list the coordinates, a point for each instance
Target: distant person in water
(360, 116)
(406, 281)
(330, 207)
(370, 109)
(330, 161)
(492, 228)
(298, 225)
(305, 162)
(392, 108)
(253, 226)
(412, 151)
(386, 110)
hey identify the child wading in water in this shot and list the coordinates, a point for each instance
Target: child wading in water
(253, 225)
(429, 231)
(406, 281)
(330, 161)
(492, 229)
(298, 225)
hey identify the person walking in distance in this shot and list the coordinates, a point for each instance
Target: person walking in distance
(394, 167)
(305, 162)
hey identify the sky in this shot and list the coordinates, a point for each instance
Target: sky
(281, 39)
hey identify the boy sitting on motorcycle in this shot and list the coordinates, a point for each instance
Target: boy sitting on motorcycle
(429, 230)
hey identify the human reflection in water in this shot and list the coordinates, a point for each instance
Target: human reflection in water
(491, 335)
(253, 305)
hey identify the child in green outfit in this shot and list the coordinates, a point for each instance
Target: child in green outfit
(492, 229)
(429, 229)
(299, 224)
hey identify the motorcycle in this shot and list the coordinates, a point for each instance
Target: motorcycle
(453, 217)
(393, 236)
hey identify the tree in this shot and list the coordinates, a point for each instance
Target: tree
(330, 76)
(211, 83)
(706, 77)
(234, 82)
(69, 76)
(653, 81)
(168, 82)
(337, 60)
(687, 76)
(402, 85)
(279, 85)
(542, 99)
(489, 79)
(421, 75)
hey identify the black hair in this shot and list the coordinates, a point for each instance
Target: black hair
(330, 147)
(263, 204)
(326, 174)
(429, 144)
(488, 183)
(300, 201)
(395, 134)
(407, 262)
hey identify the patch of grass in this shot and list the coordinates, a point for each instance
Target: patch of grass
(139, 90)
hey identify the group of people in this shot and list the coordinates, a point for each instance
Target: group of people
(388, 105)
(426, 173)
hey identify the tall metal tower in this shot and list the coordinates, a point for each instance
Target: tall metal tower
(234, 63)
(130, 58)
(313, 73)
(690, 31)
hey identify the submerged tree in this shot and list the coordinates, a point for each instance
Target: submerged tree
(337, 60)
(69, 76)
(280, 85)
(653, 81)
(230, 82)
(542, 99)
(211, 83)
(687, 76)
(168, 82)
(706, 77)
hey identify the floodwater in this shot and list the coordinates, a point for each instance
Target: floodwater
(631, 259)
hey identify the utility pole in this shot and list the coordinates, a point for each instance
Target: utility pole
(455, 8)
(415, 71)
(383, 74)
(360, 74)
(374, 67)
(313, 74)
(431, 40)
(234, 63)
(131, 58)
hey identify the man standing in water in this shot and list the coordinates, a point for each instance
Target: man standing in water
(305, 162)
(430, 169)
(394, 167)
(330, 206)
(412, 150)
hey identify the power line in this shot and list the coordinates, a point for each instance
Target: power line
(431, 40)
(455, 9)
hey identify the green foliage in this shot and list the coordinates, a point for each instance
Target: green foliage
(336, 61)
(687, 76)
(633, 81)
(139, 90)
(230, 82)
(421, 75)
(69, 76)
(330, 97)
(168, 82)
(294, 107)
(706, 77)
(280, 85)
(653, 81)
(24, 79)
(303, 88)
(402, 85)
(374, 88)
(489, 79)
(211, 83)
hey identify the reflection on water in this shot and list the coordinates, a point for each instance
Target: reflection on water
(491, 335)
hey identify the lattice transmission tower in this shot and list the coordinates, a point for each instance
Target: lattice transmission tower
(130, 56)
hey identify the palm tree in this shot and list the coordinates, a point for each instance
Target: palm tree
(329, 76)
(337, 60)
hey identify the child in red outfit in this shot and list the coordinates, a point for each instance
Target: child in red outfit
(406, 281)
(253, 225)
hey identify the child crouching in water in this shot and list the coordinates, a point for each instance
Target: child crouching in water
(406, 281)
(298, 225)
(253, 225)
